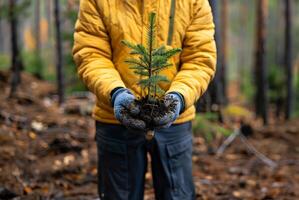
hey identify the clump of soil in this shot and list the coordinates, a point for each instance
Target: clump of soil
(153, 112)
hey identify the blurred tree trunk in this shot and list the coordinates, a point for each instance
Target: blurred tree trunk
(261, 100)
(16, 60)
(243, 44)
(37, 25)
(212, 99)
(38, 72)
(288, 57)
(1, 36)
(215, 87)
(223, 52)
(1, 31)
(59, 56)
(279, 53)
(280, 101)
(49, 12)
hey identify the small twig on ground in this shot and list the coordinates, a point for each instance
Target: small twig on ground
(261, 156)
(227, 142)
(249, 146)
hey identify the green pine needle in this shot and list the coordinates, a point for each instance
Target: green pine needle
(151, 61)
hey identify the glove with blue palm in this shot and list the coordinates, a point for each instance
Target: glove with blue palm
(125, 109)
(175, 102)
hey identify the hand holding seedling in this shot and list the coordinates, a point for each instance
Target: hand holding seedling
(155, 109)
(125, 110)
(175, 102)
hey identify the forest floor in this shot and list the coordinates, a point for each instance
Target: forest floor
(48, 152)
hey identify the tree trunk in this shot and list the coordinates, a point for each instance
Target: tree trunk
(212, 99)
(223, 51)
(261, 100)
(59, 56)
(288, 58)
(49, 14)
(209, 98)
(38, 71)
(16, 60)
(244, 44)
(1, 31)
(215, 87)
(37, 25)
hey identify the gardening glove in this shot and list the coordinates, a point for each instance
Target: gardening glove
(176, 104)
(125, 109)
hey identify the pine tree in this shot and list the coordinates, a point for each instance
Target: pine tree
(59, 54)
(288, 58)
(261, 97)
(16, 59)
(150, 62)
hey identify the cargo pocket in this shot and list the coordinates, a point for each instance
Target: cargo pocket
(180, 166)
(113, 169)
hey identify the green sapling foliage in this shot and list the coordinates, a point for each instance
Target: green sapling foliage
(149, 61)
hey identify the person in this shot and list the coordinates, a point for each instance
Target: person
(99, 55)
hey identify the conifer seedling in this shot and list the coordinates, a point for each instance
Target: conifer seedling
(147, 62)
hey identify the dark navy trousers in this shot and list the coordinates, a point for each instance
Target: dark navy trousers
(122, 162)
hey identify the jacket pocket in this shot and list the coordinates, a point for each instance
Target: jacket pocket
(180, 164)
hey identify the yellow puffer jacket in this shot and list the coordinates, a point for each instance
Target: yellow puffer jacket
(99, 55)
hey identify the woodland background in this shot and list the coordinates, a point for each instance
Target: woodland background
(246, 133)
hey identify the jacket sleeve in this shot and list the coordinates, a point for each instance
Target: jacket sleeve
(92, 53)
(198, 57)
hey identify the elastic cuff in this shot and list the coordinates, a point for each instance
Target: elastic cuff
(115, 92)
(182, 100)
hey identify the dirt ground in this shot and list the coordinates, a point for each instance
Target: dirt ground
(47, 152)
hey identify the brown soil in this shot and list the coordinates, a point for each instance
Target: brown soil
(152, 112)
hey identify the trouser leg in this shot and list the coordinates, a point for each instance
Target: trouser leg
(171, 152)
(122, 163)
